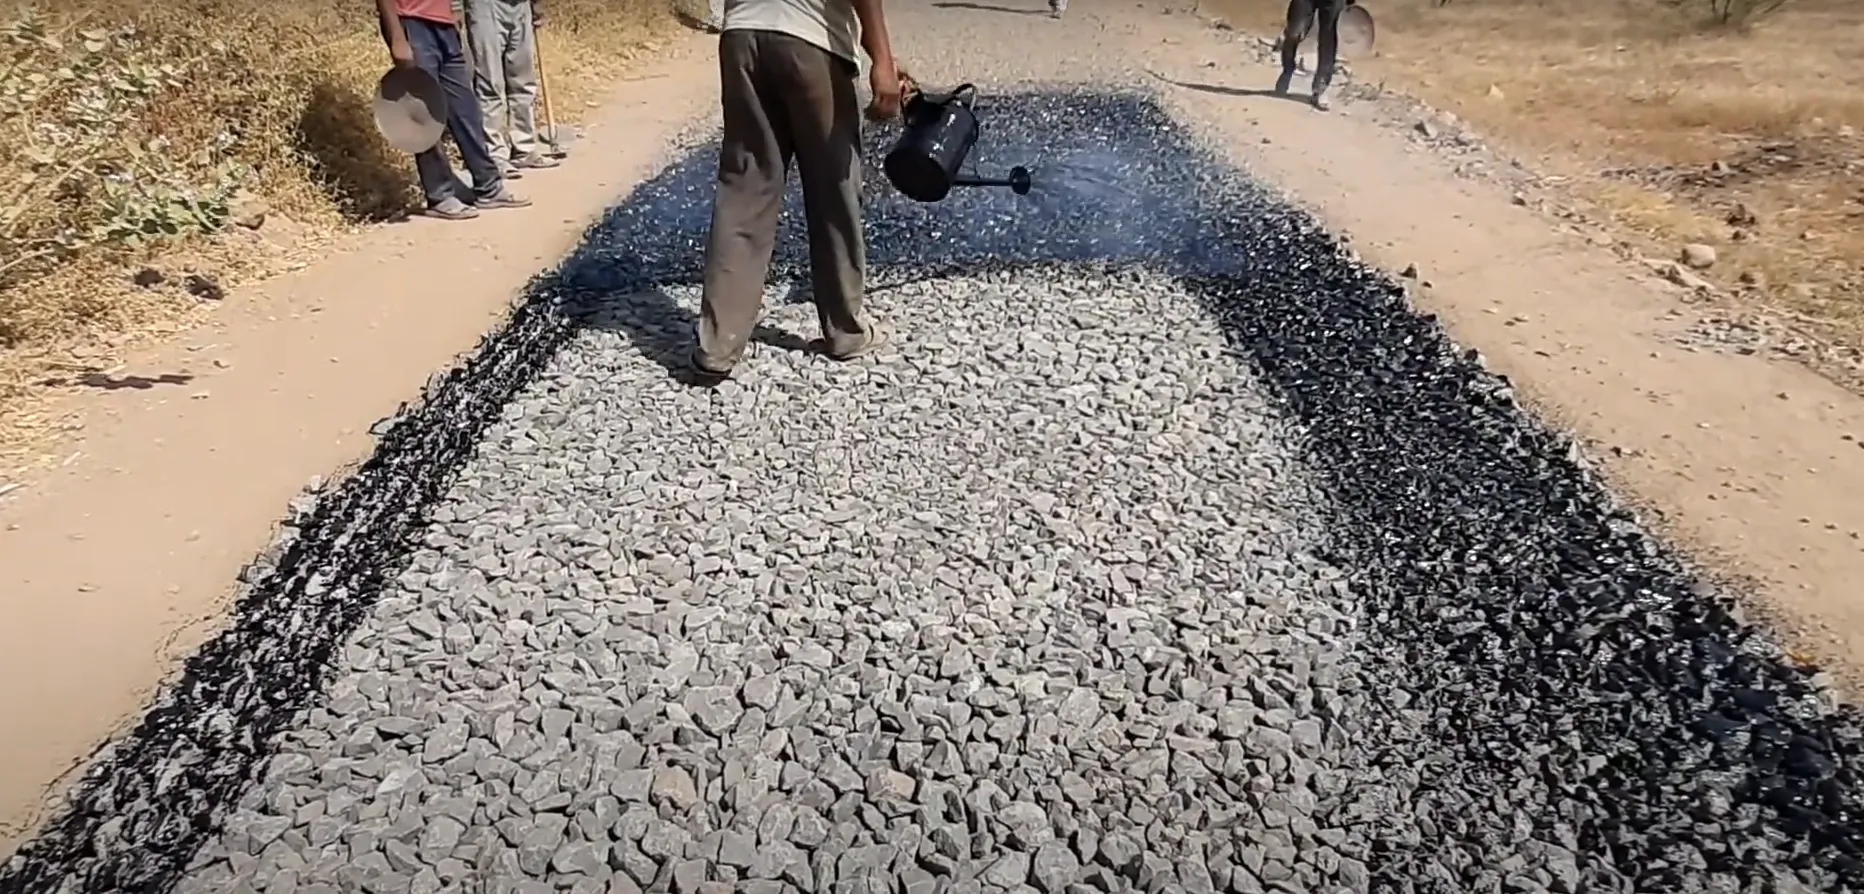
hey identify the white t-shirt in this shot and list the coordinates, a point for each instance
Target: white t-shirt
(829, 24)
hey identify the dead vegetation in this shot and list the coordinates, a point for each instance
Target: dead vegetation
(161, 150)
(1730, 123)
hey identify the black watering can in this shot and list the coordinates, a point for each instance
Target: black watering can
(940, 131)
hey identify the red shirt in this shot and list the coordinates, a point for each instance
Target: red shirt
(427, 10)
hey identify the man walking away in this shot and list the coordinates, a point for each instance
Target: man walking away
(503, 34)
(1302, 15)
(421, 34)
(787, 70)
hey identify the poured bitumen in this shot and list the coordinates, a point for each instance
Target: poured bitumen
(1320, 609)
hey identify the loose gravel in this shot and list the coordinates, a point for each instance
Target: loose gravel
(1034, 603)
(1168, 551)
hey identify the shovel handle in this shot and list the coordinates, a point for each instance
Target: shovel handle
(543, 87)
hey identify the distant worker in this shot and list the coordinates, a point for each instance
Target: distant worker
(503, 34)
(421, 34)
(1302, 16)
(787, 72)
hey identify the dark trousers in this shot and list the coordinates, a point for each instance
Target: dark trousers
(1303, 15)
(437, 51)
(783, 99)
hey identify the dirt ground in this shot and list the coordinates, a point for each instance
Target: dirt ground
(121, 556)
(1749, 140)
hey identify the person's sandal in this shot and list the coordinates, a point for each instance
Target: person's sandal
(701, 372)
(452, 209)
(877, 338)
(534, 161)
(502, 199)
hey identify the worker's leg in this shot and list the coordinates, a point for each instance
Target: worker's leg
(1058, 7)
(520, 64)
(444, 193)
(753, 162)
(467, 126)
(1328, 12)
(1300, 19)
(825, 121)
(486, 34)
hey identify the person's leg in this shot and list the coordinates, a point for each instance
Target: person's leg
(1058, 7)
(520, 64)
(1300, 19)
(818, 89)
(1328, 12)
(753, 163)
(468, 127)
(487, 39)
(438, 185)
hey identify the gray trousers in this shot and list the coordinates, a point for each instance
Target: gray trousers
(783, 99)
(504, 74)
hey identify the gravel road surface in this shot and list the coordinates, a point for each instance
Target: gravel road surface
(1166, 551)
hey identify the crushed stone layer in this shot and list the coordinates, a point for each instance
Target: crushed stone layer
(1030, 602)
(1253, 579)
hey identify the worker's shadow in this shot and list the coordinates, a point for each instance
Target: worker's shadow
(662, 329)
(1219, 90)
(960, 4)
(693, 22)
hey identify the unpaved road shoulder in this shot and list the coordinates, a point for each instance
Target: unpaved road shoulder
(1750, 462)
(120, 563)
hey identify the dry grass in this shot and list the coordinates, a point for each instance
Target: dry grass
(1600, 86)
(266, 98)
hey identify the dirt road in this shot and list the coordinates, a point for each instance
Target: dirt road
(121, 561)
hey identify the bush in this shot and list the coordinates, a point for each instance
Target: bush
(1742, 13)
(128, 128)
(85, 176)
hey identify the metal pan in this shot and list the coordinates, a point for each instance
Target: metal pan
(1356, 34)
(1356, 31)
(410, 109)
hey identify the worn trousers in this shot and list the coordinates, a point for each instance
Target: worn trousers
(504, 73)
(784, 99)
(438, 52)
(1303, 15)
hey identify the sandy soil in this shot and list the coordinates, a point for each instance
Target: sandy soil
(121, 560)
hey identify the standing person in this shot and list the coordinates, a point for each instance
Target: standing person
(787, 72)
(421, 34)
(503, 34)
(1302, 16)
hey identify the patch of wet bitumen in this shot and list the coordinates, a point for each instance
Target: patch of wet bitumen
(1559, 706)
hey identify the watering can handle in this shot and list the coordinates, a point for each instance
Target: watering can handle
(942, 98)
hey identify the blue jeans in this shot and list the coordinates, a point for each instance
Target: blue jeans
(437, 51)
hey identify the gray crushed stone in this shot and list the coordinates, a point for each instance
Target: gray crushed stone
(1031, 602)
